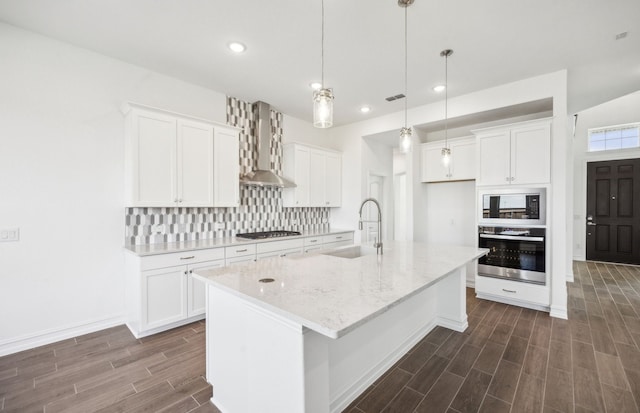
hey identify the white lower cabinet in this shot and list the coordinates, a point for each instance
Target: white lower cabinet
(161, 292)
(513, 292)
(337, 240)
(240, 253)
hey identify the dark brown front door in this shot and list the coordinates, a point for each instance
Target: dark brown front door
(613, 211)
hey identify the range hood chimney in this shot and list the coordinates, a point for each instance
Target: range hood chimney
(263, 176)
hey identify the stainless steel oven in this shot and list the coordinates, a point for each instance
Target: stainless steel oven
(520, 206)
(515, 253)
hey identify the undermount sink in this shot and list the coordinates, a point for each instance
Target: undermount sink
(352, 251)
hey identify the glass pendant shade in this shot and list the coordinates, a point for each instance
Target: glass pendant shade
(323, 108)
(406, 142)
(446, 156)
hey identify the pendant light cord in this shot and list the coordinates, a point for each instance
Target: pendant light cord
(322, 50)
(446, 98)
(405, 67)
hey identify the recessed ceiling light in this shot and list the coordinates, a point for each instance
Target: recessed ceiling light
(237, 47)
(439, 88)
(315, 85)
(365, 109)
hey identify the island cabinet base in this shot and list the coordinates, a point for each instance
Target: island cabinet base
(262, 361)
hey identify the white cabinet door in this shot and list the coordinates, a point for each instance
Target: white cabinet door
(226, 184)
(432, 168)
(152, 159)
(494, 152)
(317, 174)
(196, 289)
(295, 167)
(317, 179)
(530, 154)
(164, 296)
(333, 180)
(463, 160)
(195, 163)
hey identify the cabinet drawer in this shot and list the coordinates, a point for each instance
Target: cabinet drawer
(181, 258)
(240, 250)
(332, 245)
(311, 241)
(239, 260)
(313, 248)
(278, 245)
(514, 290)
(345, 236)
(280, 253)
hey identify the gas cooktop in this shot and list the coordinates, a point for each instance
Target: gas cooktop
(268, 234)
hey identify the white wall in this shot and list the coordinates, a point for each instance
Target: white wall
(616, 112)
(62, 182)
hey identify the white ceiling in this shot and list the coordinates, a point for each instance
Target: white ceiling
(494, 42)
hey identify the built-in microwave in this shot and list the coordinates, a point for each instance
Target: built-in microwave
(518, 206)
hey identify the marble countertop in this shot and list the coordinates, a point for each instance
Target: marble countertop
(171, 247)
(333, 295)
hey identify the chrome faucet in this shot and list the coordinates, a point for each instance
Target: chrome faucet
(378, 242)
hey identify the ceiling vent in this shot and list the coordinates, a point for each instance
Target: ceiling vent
(396, 97)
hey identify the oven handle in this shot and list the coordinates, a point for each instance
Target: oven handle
(512, 237)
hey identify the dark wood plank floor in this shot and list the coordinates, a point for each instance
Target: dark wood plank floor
(509, 360)
(516, 360)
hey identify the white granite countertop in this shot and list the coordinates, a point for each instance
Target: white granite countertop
(333, 295)
(171, 247)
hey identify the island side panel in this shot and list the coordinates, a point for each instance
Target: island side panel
(452, 300)
(359, 358)
(258, 361)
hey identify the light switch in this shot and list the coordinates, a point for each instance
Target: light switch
(10, 235)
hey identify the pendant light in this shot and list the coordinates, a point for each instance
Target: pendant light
(323, 97)
(405, 142)
(446, 151)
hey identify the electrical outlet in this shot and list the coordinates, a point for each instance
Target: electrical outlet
(10, 235)
(294, 222)
(157, 229)
(219, 226)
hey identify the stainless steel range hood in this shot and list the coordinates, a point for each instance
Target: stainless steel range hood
(263, 176)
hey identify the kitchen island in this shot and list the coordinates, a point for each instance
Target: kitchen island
(310, 333)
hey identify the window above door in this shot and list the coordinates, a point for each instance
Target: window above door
(614, 137)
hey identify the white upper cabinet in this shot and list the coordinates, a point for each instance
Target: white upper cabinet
(195, 160)
(517, 154)
(463, 161)
(333, 179)
(226, 167)
(317, 173)
(151, 157)
(174, 160)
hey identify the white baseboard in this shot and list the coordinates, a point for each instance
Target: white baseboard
(518, 303)
(559, 312)
(26, 342)
(454, 325)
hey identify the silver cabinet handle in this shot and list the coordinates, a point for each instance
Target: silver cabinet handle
(313, 240)
(338, 237)
(244, 250)
(509, 291)
(188, 258)
(593, 224)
